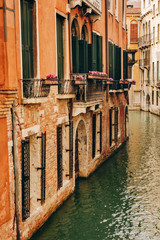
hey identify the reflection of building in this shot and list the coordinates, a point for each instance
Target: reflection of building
(134, 31)
(53, 131)
(149, 44)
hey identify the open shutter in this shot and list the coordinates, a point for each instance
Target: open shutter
(93, 135)
(43, 173)
(71, 148)
(94, 51)
(110, 126)
(25, 179)
(27, 38)
(99, 54)
(100, 132)
(75, 54)
(60, 47)
(59, 157)
(110, 60)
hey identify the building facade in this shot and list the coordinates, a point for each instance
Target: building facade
(61, 116)
(149, 44)
(134, 54)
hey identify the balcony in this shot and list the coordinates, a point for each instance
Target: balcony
(119, 86)
(36, 89)
(144, 41)
(89, 7)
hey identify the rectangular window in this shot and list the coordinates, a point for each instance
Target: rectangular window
(116, 9)
(153, 35)
(153, 10)
(157, 98)
(75, 54)
(153, 72)
(125, 64)
(152, 97)
(25, 179)
(116, 125)
(158, 32)
(93, 135)
(158, 6)
(83, 56)
(157, 71)
(59, 158)
(100, 138)
(133, 32)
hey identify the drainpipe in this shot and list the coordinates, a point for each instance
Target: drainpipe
(16, 168)
(106, 34)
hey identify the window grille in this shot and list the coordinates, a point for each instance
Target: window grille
(110, 126)
(25, 179)
(93, 135)
(59, 157)
(100, 132)
(71, 149)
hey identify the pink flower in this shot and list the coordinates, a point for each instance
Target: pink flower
(51, 76)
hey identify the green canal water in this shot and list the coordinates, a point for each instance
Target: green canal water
(121, 200)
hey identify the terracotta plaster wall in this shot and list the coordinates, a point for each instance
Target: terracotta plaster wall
(4, 173)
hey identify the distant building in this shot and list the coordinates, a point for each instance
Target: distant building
(54, 130)
(134, 54)
(149, 44)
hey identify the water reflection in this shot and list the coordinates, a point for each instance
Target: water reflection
(121, 200)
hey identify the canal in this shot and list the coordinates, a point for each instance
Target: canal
(121, 200)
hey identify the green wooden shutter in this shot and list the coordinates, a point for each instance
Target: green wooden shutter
(75, 54)
(110, 60)
(114, 61)
(99, 54)
(90, 57)
(27, 38)
(83, 56)
(94, 51)
(119, 62)
(60, 47)
(125, 64)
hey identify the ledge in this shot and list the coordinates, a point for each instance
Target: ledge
(26, 101)
(65, 96)
(83, 107)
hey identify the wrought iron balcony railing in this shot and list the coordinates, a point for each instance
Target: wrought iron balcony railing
(144, 41)
(36, 88)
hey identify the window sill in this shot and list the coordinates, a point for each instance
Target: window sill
(26, 101)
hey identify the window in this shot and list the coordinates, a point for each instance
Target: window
(125, 64)
(153, 35)
(153, 10)
(133, 32)
(123, 12)
(60, 60)
(143, 3)
(25, 179)
(94, 135)
(110, 5)
(158, 6)
(59, 158)
(152, 97)
(130, 71)
(28, 30)
(116, 9)
(110, 126)
(158, 32)
(148, 76)
(153, 72)
(157, 98)
(157, 71)
(114, 61)
(100, 133)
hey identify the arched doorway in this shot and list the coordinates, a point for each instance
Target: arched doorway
(126, 122)
(81, 156)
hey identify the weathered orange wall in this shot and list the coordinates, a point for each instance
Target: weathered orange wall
(4, 173)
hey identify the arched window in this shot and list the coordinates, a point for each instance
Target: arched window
(84, 34)
(75, 28)
(134, 32)
(75, 45)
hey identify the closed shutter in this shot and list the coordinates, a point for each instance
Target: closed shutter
(133, 33)
(90, 57)
(25, 179)
(125, 64)
(93, 135)
(27, 38)
(75, 54)
(94, 51)
(99, 54)
(59, 157)
(71, 149)
(110, 126)
(119, 63)
(83, 56)
(60, 47)
(116, 63)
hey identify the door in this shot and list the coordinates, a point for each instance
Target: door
(60, 47)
